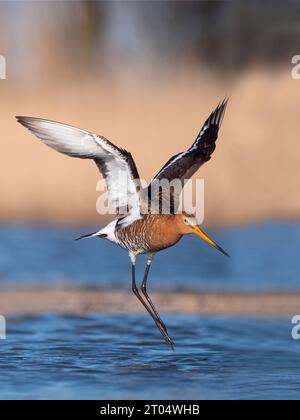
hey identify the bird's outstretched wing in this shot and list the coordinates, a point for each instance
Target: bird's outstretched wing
(115, 164)
(183, 165)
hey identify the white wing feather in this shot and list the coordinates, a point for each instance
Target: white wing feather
(115, 164)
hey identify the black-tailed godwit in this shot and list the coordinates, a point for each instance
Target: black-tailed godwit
(138, 228)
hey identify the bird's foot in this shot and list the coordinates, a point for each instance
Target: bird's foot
(170, 342)
(164, 332)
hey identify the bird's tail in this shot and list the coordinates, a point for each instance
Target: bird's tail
(89, 235)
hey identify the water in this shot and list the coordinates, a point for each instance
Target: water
(263, 257)
(108, 357)
(99, 356)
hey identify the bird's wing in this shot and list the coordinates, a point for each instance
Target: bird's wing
(183, 165)
(115, 164)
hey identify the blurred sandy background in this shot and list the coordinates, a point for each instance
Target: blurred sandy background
(146, 75)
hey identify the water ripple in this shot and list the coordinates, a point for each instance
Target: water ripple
(114, 356)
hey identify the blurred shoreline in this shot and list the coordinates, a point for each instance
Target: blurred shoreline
(78, 301)
(248, 178)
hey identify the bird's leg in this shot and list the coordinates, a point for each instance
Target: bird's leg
(137, 294)
(145, 293)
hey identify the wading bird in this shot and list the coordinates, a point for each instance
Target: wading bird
(138, 229)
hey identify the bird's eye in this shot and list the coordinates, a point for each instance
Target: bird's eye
(186, 221)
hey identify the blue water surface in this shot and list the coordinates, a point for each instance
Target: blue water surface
(123, 357)
(106, 356)
(263, 257)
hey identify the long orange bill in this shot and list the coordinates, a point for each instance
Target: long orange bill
(199, 232)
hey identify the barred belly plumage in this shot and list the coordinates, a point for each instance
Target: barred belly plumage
(148, 234)
(134, 237)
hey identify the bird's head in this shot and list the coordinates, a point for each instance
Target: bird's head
(188, 224)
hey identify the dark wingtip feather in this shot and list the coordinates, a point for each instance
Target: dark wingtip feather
(205, 142)
(223, 107)
(25, 121)
(218, 114)
(19, 119)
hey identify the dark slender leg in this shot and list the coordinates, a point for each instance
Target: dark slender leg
(137, 294)
(145, 293)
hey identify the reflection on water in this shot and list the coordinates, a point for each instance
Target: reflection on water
(261, 259)
(105, 356)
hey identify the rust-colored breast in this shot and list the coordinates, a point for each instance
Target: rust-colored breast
(152, 233)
